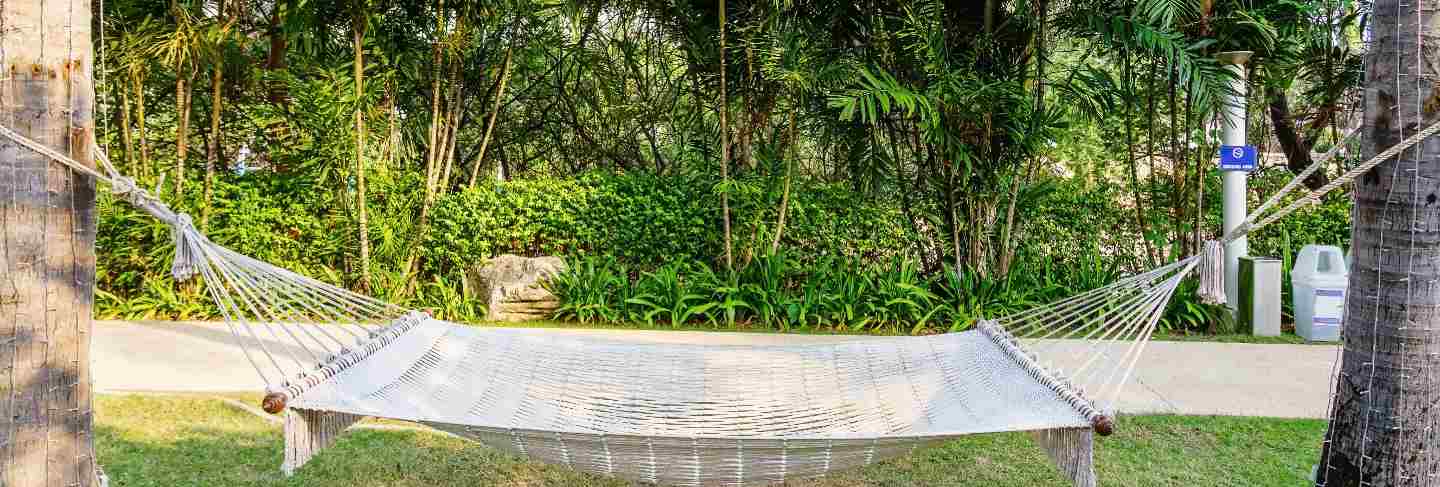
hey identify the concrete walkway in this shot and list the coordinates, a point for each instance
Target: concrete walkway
(1289, 381)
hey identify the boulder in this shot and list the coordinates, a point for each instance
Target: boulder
(513, 287)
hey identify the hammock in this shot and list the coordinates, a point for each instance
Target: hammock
(675, 412)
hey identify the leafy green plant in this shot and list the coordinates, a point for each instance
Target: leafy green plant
(592, 289)
(668, 292)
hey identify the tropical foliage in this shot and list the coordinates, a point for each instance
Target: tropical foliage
(733, 163)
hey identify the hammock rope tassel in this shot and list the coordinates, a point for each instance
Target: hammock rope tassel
(189, 256)
(1212, 273)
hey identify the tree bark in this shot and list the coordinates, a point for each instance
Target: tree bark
(392, 130)
(1382, 430)
(182, 129)
(275, 56)
(452, 123)
(139, 82)
(724, 148)
(790, 155)
(1297, 146)
(212, 147)
(47, 216)
(432, 157)
(361, 197)
(125, 135)
(494, 113)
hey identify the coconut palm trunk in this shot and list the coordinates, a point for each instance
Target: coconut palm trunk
(361, 197)
(212, 146)
(47, 239)
(724, 109)
(138, 80)
(182, 130)
(1383, 422)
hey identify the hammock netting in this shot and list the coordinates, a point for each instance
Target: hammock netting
(689, 409)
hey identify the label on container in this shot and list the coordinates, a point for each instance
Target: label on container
(1329, 306)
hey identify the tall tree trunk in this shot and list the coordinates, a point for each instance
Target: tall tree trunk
(126, 138)
(1141, 225)
(275, 57)
(361, 197)
(452, 132)
(790, 155)
(724, 148)
(951, 215)
(450, 115)
(1382, 430)
(1177, 198)
(432, 157)
(47, 239)
(432, 173)
(494, 114)
(139, 82)
(182, 128)
(392, 128)
(212, 147)
(447, 135)
(1297, 146)
(1007, 248)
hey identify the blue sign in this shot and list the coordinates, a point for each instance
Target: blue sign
(1237, 158)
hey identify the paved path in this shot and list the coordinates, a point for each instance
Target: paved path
(1289, 381)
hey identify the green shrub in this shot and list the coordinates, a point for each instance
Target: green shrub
(646, 221)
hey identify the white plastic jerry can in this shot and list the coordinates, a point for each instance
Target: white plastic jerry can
(1318, 283)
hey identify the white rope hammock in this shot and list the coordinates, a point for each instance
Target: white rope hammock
(689, 414)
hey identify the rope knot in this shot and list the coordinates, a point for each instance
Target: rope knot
(189, 256)
(123, 186)
(1212, 273)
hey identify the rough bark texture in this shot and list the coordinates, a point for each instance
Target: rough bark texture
(47, 215)
(1383, 424)
(724, 109)
(138, 83)
(212, 146)
(1296, 146)
(494, 113)
(361, 198)
(182, 130)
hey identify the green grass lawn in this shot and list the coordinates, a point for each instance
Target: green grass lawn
(194, 441)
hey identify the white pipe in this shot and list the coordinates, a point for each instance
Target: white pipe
(1234, 182)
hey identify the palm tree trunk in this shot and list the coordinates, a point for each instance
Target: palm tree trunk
(447, 132)
(1007, 250)
(392, 129)
(432, 157)
(494, 113)
(279, 46)
(139, 82)
(432, 173)
(452, 131)
(789, 175)
(126, 138)
(1382, 430)
(212, 148)
(47, 240)
(182, 129)
(1141, 225)
(724, 148)
(361, 197)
